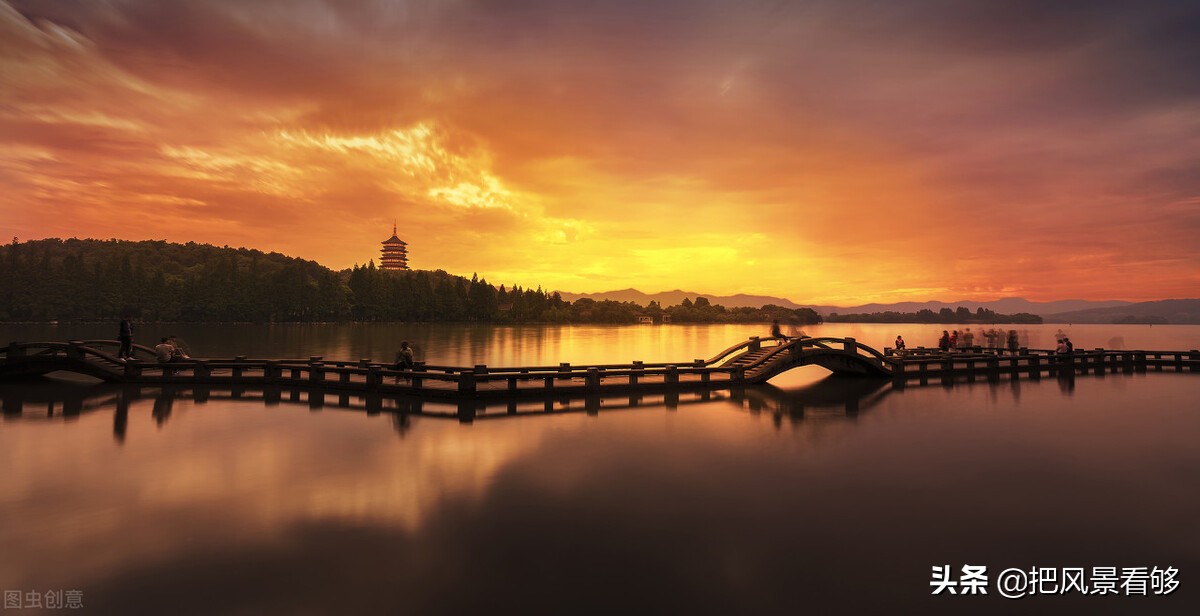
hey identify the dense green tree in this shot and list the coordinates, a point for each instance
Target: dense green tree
(76, 279)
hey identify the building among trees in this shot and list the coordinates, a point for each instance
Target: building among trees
(395, 253)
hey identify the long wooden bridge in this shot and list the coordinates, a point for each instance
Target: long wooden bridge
(753, 361)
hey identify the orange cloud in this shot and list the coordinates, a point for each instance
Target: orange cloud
(797, 150)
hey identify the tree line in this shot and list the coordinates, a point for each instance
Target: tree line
(962, 314)
(90, 280)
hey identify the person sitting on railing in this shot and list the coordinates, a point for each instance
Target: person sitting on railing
(164, 351)
(899, 343)
(404, 358)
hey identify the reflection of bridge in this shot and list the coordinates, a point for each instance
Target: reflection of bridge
(754, 361)
(69, 401)
(833, 397)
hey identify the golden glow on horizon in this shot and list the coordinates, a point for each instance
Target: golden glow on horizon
(740, 166)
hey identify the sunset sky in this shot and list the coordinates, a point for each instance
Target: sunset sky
(835, 152)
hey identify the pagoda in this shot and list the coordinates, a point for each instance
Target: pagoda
(395, 253)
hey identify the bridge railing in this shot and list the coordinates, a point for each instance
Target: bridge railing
(845, 345)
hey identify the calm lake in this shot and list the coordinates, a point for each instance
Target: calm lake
(812, 493)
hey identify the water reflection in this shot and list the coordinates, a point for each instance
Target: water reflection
(728, 502)
(829, 397)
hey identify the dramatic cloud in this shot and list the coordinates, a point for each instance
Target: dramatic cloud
(831, 152)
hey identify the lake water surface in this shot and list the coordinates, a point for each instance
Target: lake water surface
(811, 494)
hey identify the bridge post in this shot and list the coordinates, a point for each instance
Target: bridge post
(200, 369)
(593, 379)
(481, 369)
(755, 343)
(672, 375)
(993, 367)
(133, 368)
(374, 379)
(466, 383)
(564, 370)
(1193, 356)
(739, 374)
(850, 345)
(316, 373)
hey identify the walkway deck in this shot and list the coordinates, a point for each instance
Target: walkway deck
(753, 361)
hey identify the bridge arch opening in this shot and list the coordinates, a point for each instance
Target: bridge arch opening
(800, 376)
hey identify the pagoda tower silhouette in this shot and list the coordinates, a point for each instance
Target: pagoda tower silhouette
(395, 253)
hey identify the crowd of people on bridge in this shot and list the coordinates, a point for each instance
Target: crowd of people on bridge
(992, 338)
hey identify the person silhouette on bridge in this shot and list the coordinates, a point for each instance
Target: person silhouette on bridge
(126, 338)
(164, 351)
(899, 343)
(776, 332)
(404, 358)
(944, 341)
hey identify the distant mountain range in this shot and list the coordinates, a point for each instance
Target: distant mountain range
(672, 298)
(1061, 311)
(1176, 311)
(1007, 305)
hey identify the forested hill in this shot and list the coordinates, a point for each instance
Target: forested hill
(160, 281)
(85, 280)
